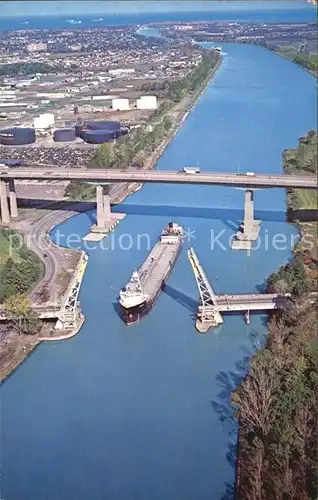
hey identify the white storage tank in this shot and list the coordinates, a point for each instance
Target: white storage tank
(120, 104)
(44, 121)
(147, 102)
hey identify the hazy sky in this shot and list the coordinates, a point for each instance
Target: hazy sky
(39, 8)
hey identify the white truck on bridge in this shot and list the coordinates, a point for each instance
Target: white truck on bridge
(190, 170)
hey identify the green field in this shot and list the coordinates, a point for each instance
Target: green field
(307, 198)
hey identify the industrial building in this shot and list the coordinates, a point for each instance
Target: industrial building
(121, 71)
(36, 47)
(120, 104)
(52, 95)
(102, 97)
(8, 95)
(147, 102)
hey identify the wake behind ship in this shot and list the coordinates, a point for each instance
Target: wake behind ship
(139, 295)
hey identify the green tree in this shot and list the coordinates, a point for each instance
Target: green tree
(20, 314)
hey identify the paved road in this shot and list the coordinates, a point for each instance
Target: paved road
(156, 176)
(257, 301)
(39, 242)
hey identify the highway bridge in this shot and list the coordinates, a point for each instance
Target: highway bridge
(247, 233)
(161, 176)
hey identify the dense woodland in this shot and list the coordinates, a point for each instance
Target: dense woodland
(292, 278)
(29, 69)
(20, 268)
(277, 411)
(276, 404)
(303, 159)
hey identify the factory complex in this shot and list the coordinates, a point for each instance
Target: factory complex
(88, 131)
(51, 80)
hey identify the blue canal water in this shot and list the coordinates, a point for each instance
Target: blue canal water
(144, 412)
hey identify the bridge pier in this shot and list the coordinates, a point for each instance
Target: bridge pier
(107, 209)
(249, 229)
(105, 220)
(207, 317)
(247, 317)
(69, 320)
(5, 214)
(13, 199)
(103, 207)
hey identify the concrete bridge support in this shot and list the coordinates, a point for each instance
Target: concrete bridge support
(13, 199)
(107, 209)
(103, 206)
(5, 214)
(105, 219)
(249, 229)
(100, 207)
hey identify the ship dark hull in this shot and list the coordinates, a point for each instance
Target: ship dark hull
(136, 314)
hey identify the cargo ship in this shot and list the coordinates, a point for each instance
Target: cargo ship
(139, 295)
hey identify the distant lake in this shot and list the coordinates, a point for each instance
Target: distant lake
(254, 12)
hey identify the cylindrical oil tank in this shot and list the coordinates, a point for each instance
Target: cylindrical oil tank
(98, 136)
(64, 135)
(102, 125)
(17, 136)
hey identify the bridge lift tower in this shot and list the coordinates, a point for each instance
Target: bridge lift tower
(208, 314)
(70, 315)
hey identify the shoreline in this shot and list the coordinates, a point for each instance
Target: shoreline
(16, 362)
(276, 50)
(158, 152)
(296, 250)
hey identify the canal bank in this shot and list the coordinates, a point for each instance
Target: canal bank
(145, 412)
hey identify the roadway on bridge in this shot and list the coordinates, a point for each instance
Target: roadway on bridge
(157, 176)
(257, 301)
